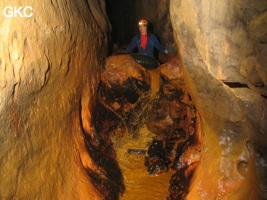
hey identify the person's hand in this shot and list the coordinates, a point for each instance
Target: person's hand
(171, 50)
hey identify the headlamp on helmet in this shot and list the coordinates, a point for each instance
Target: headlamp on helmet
(142, 22)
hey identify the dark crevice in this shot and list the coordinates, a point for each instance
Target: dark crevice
(108, 179)
(236, 85)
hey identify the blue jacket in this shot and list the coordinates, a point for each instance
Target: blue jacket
(152, 42)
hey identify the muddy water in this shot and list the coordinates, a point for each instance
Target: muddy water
(155, 83)
(138, 184)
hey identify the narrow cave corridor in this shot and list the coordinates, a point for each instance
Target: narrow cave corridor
(148, 125)
(82, 119)
(144, 117)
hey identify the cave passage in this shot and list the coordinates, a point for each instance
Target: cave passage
(80, 119)
(146, 121)
(144, 118)
(123, 31)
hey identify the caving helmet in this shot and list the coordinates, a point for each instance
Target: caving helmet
(142, 22)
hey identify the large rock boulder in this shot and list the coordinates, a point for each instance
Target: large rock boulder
(49, 70)
(223, 51)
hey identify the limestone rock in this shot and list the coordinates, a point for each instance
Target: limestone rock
(119, 68)
(123, 81)
(172, 111)
(49, 70)
(219, 42)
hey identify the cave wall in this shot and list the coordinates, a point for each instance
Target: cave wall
(222, 43)
(49, 69)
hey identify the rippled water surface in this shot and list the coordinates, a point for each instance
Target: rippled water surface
(138, 184)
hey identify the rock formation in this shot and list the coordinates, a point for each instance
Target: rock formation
(50, 66)
(49, 70)
(223, 49)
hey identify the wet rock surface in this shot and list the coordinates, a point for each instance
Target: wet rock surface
(126, 106)
(172, 111)
(157, 161)
(49, 69)
(123, 83)
(186, 160)
(173, 119)
(50, 66)
(223, 61)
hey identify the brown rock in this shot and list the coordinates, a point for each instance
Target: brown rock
(49, 70)
(217, 41)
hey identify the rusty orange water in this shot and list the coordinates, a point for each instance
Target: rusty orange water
(155, 83)
(138, 184)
